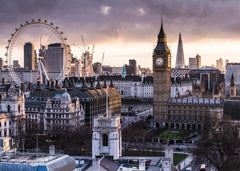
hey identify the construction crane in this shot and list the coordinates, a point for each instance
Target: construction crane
(102, 58)
(84, 45)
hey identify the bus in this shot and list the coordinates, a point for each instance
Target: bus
(203, 167)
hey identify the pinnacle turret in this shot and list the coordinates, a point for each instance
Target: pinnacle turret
(180, 63)
(161, 35)
(232, 80)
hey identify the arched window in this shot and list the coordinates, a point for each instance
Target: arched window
(8, 108)
(19, 108)
(105, 140)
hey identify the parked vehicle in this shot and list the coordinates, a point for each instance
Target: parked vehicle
(203, 167)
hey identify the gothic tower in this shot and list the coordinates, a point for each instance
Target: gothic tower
(180, 63)
(161, 77)
(232, 88)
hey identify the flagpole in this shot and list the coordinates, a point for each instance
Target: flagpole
(107, 102)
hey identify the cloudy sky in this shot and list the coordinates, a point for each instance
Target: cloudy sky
(125, 29)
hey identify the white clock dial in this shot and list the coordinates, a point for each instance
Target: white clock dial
(159, 61)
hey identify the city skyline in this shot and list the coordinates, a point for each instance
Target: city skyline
(126, 30)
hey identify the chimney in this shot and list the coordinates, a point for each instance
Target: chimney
(52, 84)
(30, 86)
(57, 84)
(105, 84)
(98, 86)
(3, 81)
(92, 85)
(72, 83)
(22, 87)
(111, 84)
(48, 84)
(38, 85)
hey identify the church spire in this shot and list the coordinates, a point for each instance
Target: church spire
(180, 63)
(232, 80)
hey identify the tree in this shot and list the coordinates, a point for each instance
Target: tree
(218, 143)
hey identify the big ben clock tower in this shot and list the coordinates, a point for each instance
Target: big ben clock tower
(161, 78)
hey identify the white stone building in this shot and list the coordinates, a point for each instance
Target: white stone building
(107, 138)
(12, 109)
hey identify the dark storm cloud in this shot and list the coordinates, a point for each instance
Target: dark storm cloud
(127, 20)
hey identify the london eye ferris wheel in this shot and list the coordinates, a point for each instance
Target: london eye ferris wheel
(39, 34)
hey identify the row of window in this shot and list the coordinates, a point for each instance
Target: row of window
(5, 123)
(58, 115)
(58, 121)
(179, 112)
(58, 110)
(188, 107)
(190, 118)
(5, 132)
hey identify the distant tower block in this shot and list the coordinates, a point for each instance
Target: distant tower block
(180, 63)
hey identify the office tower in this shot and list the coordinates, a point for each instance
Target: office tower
(192, 62)
(180, 63)
(78, 68)
(198, 58)
(16, 64)
(219, 64)
(56, 55)
(97, 68)
(131, 69)
(29, 56)
(1, 64)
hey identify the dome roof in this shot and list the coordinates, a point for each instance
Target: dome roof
(66, 96)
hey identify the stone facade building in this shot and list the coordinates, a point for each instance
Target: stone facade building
(12, 114)
(92, 99)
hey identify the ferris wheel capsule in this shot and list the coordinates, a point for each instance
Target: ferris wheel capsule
(33, 20)
(21, 25)
(39, 20)
(27, 22)
(16, 29)
(61, 32)
(65, 38)
(9, 40)
(6, 47)
(12, 34)
(45, 21)
(6, 54)
(57, 27)
(51, 24)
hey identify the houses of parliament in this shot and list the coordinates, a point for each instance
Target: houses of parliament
(188, 112)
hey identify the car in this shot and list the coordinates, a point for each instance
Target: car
(179, 149)
(188, 169)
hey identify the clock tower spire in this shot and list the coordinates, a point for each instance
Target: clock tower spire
(161, 77)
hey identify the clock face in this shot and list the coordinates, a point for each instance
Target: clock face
(159, 61)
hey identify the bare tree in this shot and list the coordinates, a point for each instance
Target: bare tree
(218, 143)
